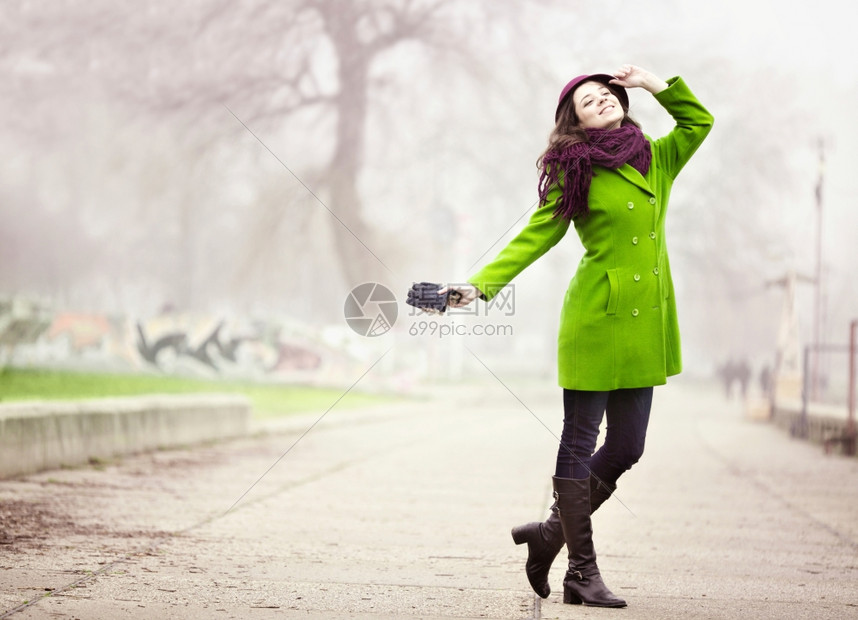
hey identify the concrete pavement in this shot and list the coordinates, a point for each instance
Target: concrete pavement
(405, 512)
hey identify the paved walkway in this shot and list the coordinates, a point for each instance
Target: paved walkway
(401, 512)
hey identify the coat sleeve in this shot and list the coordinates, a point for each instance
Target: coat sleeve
(693, 123)
(542, 232)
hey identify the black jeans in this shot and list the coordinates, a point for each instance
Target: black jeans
(628, 416)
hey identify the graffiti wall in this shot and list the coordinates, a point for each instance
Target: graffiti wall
(222, 346)
(22, 321)
(171, 342)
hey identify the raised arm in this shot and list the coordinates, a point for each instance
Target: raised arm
(693, 121)
(630, 76)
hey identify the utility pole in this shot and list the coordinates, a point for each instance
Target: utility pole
(817, 301)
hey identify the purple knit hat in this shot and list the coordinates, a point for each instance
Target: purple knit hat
(604, 78)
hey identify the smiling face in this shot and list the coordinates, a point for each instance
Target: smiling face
(597, 107)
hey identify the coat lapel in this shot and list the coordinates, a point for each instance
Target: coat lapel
(631, 174)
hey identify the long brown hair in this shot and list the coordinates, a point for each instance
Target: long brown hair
(568, 131)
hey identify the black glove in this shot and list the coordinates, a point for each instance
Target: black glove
(424, 295)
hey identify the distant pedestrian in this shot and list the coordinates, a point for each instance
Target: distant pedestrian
(619, 334)
(766, 379)
(727, 373)
(743, 375)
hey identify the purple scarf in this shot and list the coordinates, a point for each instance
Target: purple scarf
(610, 148)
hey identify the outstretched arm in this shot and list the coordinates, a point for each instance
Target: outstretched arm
(542, 232)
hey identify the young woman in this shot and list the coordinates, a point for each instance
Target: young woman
(618, 334)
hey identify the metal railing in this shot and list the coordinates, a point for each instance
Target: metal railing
(801, 427)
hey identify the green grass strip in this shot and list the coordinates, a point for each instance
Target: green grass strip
(268, 400)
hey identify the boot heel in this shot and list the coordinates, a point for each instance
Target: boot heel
(522, 533)
(570, 597)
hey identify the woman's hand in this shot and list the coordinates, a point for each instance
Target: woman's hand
(467, 294)
(630, 76)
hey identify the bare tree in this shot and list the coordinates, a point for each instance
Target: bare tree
(309, 60)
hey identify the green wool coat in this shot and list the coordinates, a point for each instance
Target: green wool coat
(618, 325)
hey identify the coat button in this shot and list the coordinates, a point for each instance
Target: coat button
(637, 277)
(652, 200)
(652, 235)
(635, 312)
(655, 271)
(631, 205)
(634, 240)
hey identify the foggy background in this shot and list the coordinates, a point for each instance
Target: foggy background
(261, 159)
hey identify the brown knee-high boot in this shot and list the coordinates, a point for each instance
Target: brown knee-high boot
(583, 582)
(545, 540)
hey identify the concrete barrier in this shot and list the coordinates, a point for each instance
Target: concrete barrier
(39, 435)
(825, 424)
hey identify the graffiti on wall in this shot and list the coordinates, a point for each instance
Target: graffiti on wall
(22, 321)
(169, 342)
(217, 344)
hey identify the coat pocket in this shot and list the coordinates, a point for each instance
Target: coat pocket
(614, 294)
